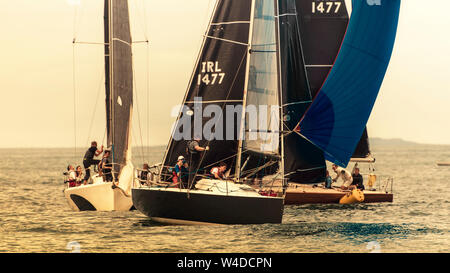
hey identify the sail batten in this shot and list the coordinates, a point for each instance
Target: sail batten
(343, 105)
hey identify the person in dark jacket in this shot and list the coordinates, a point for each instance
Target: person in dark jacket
(89, 160)
(358, 181)
(195, 152)
(106, 167)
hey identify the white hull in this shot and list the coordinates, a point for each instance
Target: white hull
(99, 196)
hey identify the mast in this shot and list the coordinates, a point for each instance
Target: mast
(280, 90)
(244, 103)
(108, 74)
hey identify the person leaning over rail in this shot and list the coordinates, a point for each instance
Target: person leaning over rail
(219, 171)
(344, 174)
(89, 160)
(143, 175)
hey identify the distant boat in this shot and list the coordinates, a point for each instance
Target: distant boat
(443, 164)
(100, 195)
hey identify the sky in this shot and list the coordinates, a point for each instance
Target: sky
(52, 96)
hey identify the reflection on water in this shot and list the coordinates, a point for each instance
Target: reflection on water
(36, 218)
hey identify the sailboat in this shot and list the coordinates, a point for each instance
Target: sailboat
(237, 70)
(336, 119)
(313, 39)
(101, 195)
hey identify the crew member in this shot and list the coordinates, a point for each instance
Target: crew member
(89, 160)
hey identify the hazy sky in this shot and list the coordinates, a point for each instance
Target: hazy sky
(37, 87)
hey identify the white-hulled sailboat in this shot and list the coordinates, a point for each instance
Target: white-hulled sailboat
(98, 194)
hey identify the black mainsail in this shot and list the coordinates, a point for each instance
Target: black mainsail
(218, 79)
(119, 80)
(311, 33)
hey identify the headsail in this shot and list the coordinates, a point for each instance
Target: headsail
(337, 117)
(119, 80)
(261, 145)
(311, 33)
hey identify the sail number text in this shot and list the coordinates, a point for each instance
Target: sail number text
(211, 74)
(326, 7)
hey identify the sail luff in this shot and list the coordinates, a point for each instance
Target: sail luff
(280, 90)
(108, 96)
(121, 83)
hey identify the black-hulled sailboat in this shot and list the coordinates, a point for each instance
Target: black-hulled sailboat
(237, 69)
(101, 195)
(333, 115)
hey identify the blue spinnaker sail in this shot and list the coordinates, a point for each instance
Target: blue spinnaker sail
(336, 119)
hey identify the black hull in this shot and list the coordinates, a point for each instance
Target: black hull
(177, 207)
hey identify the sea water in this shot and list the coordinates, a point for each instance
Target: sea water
(35, 216)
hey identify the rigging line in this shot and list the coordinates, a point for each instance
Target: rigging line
(95, 106)
(74, 89)
(148, 98)
(88, 43)
(138, 112)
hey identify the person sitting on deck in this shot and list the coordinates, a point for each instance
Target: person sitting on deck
(143, 176)
(358, 181)
(71, 176)
(106, 167)
(344, 174)
(180, 172)
(79, 175)
(89, 160)
(219, 171)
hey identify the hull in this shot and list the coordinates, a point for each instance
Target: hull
(98, 197)
(443, 164)
(309, 195)
(175, 206)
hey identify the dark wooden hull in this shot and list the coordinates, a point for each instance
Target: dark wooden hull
(178, 207)
(298, 197)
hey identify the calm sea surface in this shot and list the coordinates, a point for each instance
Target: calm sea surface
(35, 217)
